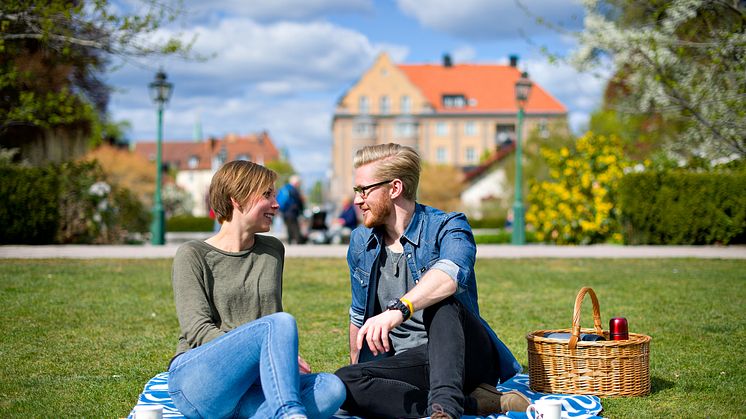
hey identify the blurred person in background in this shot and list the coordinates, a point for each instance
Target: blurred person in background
(292, 205)
(345, 222)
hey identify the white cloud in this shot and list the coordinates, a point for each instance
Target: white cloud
(277, 10)
(491, 19)
(464, 54)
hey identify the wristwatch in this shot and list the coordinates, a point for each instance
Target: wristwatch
(397, 304)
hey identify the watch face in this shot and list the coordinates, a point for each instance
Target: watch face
(393, 305)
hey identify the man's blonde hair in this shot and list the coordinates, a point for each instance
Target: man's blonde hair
(395, 161)
(241, 180)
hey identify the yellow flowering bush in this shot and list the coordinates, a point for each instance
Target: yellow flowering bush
(577, 204)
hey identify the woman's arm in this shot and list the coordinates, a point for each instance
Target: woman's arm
(192, 305)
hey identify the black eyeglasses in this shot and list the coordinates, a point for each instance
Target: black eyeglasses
(363, 190)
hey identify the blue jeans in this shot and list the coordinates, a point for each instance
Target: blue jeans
(252, 371)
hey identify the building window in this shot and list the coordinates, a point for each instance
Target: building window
(363, 104)
(385, 105)
(363, 129)
(441, 128)
(440, 155)
(454, 101)
(193, 162)
(543, 128)
(505, 133)
(470, 128)
(244, 157)
(471, 155)
(406, 104)
(406, 129)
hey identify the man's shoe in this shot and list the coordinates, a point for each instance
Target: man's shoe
(490, 401)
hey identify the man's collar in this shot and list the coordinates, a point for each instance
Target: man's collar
(412, 232)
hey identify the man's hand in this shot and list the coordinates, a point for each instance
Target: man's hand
(376, 331)
(303, 366)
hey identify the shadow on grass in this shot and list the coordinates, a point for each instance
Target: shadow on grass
(659, 384)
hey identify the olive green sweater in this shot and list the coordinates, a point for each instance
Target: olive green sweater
(216, 291)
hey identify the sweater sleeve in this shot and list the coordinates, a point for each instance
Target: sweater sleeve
(191, 300)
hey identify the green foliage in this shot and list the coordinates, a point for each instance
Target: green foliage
(578, 204)
(54, 54)
(126, 322)
(487, 222)
(679, 63)
(189, 223)
(284, 170)
(66, 203)
(502, 237)
(683, 208)
(29, 213)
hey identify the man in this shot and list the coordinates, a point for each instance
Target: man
(414, 304)
(291, 207)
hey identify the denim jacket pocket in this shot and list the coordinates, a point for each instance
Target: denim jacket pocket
(361, 277)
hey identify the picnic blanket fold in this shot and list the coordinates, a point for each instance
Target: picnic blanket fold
(573, 406)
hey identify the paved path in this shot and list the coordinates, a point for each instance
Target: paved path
(339, 251)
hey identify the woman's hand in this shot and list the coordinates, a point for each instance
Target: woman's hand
(303, 366)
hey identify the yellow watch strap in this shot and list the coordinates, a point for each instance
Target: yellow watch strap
(409, 305)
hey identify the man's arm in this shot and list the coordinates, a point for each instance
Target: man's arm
(354, 350)
(432, 288)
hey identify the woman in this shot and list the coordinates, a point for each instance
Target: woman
(237, 354)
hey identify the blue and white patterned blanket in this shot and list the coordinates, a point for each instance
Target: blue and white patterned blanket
(573, 406)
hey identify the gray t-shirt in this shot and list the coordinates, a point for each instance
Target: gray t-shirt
(216, 291)
(395, 280)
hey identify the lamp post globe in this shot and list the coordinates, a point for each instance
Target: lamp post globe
(160, 92)
(522, 92)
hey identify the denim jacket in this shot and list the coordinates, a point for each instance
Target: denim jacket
(433, 239)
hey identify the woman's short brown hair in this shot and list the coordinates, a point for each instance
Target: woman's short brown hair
(241, 180)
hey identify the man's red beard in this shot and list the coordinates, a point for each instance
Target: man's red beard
(378, 211)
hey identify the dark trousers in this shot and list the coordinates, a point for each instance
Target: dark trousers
(458, 357)
(293, 229)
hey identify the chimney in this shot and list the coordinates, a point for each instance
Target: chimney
(447, 61)
(514, 60)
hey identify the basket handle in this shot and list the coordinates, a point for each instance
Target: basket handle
(575, 336)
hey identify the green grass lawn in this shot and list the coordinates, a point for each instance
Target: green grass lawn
(80, 338)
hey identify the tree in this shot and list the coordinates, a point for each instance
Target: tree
(578, 204)
(126, 169)
(681, 60)
(441, 187)
(284, 170)
(52, 57)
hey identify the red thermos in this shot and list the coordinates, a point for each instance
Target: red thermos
(618, 329)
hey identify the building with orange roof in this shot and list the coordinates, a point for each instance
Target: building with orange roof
(451, 113)
(195, 162)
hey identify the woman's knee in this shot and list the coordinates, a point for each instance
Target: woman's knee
(282, 320)
(333, 385)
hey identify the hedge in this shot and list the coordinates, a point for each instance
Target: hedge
(677, 207)
(29, 212)
(54, 204)
(189, 223)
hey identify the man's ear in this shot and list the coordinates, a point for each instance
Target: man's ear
(397, 188)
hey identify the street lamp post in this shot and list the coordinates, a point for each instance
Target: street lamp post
(160, 92)
(522, 90)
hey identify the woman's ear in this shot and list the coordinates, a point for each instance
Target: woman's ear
(236, 205)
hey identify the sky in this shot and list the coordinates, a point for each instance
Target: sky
(282, 65)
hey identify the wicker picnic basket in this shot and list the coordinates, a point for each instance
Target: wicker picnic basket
(610, 368)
